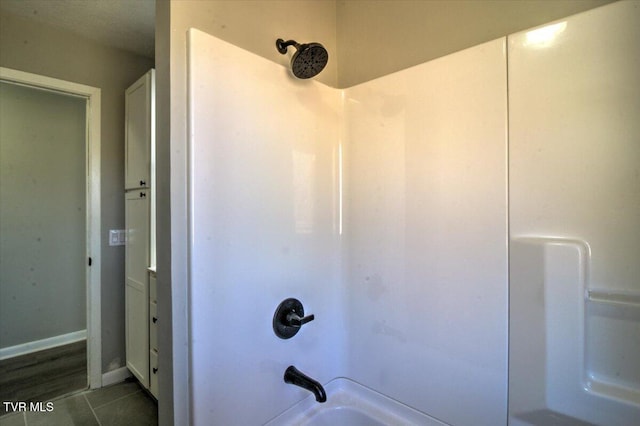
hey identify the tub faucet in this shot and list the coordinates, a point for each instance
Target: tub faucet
(295, 377)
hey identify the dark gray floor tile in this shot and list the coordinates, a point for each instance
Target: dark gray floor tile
(137, 409)
(73, 410)
(16, 419)
(106, 395)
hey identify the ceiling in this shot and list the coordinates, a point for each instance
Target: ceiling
(124, 24)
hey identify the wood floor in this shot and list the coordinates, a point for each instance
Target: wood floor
(44, 375)
(122, 404)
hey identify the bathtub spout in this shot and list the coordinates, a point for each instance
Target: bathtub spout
(295, 377)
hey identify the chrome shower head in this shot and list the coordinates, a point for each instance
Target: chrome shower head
(309, 59)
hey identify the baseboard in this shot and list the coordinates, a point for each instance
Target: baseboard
(115, 376)
(40, 345)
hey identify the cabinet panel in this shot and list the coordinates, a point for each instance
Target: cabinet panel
(153, 326)
(137, 285)
(138, 132)
(137, 337)
(153, 287)
(153, 386)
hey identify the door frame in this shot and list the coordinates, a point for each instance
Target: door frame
(92, 194)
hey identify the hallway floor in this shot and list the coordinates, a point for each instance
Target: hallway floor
(44, 375)
(123, 404)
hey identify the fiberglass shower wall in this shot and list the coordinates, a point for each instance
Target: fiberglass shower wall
(264, 226)
(381, 207)
(426, 230)
(574, 186)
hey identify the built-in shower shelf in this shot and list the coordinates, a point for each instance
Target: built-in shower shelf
(614, 297)
(612, 344)
(614, 391)
(575, 350)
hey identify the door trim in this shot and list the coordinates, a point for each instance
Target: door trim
(93, 240)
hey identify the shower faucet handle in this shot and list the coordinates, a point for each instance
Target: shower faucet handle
(289, 318)
(295, 320)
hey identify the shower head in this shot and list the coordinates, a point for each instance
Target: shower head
(309, 59)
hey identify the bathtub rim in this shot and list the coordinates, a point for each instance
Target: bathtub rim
(344, 392)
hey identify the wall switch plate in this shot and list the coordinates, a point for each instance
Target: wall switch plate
(117, 237)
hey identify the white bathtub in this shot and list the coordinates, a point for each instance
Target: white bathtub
(349, 403)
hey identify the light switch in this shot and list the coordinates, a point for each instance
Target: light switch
(117, 237)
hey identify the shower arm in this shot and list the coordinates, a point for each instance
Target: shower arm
(283, 45)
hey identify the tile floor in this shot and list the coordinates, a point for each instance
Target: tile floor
(123, 404)
(44, 375)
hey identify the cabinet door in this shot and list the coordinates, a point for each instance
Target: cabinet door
(153, 326)
(137, 284)
(139, 132)
(153, 384)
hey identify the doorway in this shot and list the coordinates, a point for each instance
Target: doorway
(50, 220)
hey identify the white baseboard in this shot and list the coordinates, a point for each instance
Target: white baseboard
(40, 345)
(115, 376)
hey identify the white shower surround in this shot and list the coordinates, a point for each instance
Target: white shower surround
(381, 207)
(574, 103)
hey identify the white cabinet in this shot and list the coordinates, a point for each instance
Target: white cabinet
(153, 335)
(139, 132)
(137, 284)
(153, 359)
(153, 319)
(140, 303)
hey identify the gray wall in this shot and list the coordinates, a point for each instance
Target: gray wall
(378, 37)
(46, 50)
(171, 363)
(42, 214)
